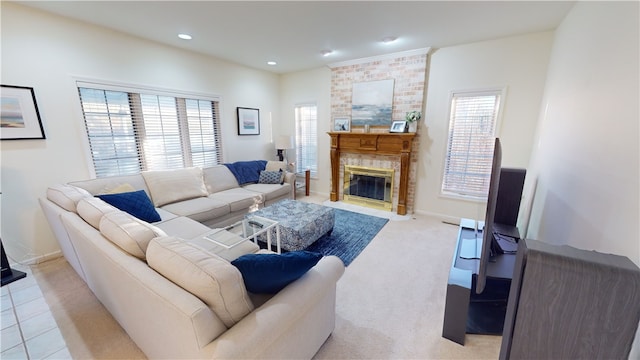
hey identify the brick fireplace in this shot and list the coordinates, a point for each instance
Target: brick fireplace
(392, 149)
(373, 149)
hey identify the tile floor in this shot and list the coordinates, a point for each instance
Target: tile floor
(29, 331)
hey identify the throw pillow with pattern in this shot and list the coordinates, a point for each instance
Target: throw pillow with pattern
(271, 177)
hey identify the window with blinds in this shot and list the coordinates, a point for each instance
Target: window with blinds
(130, 131)
(306, 117)
(472, 126)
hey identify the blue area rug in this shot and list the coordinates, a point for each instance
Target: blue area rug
(351, 233)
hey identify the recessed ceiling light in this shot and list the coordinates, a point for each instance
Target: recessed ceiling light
(326, 52)
(389, 39)
(185, 36)
(272, 63)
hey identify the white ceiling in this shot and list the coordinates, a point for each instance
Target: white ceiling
(294, 33)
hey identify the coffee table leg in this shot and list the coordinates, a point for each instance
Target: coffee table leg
(269, 239)
(278, 238)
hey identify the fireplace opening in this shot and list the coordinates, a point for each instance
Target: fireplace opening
(372, 187)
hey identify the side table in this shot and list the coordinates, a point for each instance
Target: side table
(307, 181)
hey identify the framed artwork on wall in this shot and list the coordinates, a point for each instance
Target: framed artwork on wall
(399, 126)
(248, 121)
(342, 123)
(372, 103)
(19, 116)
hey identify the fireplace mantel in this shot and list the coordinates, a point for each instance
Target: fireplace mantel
(377, 144)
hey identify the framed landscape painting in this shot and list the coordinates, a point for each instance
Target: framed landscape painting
(372, 103)
(19, 116)
(248, 121)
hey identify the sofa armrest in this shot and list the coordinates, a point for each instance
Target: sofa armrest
(290, 178)
(294, 323)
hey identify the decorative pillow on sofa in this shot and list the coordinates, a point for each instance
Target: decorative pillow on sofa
(129, 233)
(136, 203)
(204, 274)
(270, 273)
(271, 177)
(169, 186)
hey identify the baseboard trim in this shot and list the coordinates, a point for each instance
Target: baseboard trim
(42, 258)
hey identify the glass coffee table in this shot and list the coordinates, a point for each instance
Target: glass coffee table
(246, 229)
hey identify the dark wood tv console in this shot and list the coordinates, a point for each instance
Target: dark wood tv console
(468, 312)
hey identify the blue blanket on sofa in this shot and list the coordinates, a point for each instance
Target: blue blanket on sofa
(247, 172)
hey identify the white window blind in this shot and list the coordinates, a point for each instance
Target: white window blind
(472, 126)
(306, 117)
(130, 132)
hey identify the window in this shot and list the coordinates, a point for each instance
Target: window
(472, 126)
(307, 138)
(131, 131)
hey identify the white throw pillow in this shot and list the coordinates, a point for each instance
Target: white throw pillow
(129, 233)
(275, 166)
(204, 274)
(169, 186)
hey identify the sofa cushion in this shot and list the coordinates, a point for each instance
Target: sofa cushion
(121, 188)
(271, 177)
(238, 199)
(168, 186)
(212, 279)
(183, 227)
(129, 233)
(136, 203)
(275, 166)
(270, 273)
(270, 191)
(218, 178)
(108, 184)
(66, 196)
(199, 209)
(92, 210)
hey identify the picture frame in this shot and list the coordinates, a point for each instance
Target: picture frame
(19, 115)
(399, 126)
(248, 121)
(342, 124)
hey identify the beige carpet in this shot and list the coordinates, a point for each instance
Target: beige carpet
(390, 302)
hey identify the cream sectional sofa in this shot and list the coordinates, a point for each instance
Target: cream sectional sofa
(175, 294)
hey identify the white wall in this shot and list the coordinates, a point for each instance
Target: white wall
(312, 86)
(45, 51)
(586, 163)
(518, 63)
(587, 157)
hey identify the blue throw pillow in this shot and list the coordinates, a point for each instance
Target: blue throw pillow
(270, 273)
(271, 177)
(136, 203)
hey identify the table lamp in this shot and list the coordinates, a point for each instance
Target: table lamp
(283, 142)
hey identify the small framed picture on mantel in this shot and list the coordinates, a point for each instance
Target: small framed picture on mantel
(248, 121)
(399, 126)
(342, 124)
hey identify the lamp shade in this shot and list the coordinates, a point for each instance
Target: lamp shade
(284, 142)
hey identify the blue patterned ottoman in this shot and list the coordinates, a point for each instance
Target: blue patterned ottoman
(301, 223)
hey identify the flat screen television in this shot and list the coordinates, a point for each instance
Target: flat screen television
(487, 232)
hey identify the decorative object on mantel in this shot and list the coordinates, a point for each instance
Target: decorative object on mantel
(372, 103)
(342, 123)
(248, 121)
(399, 126)
(19, 116)
(412, 118)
